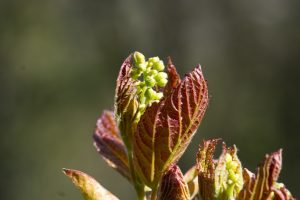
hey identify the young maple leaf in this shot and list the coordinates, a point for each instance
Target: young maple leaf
(157, 118)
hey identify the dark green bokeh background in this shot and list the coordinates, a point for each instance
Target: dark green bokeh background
(59, 60)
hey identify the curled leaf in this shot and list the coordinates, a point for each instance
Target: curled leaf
(264, 184)
(174, 78)
(220, 179)
(126, 104)
(109, 144)
(90, 188)
(191, 179)
(166, 128)
(206, 169)
(173, 186)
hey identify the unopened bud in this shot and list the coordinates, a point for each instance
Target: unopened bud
(135, 73)
(150, 94)
(161, 79)
(154, 59)
(138, 57)
(150, 81)
(159, 66)
(142, 66)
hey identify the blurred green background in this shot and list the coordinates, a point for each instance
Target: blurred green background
(59, 60)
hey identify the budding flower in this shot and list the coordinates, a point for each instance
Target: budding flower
(161, 79)
(150, 81)
(138, 58)
(149, 76)
(159, 66)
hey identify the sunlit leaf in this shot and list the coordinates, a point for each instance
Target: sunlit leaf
(90, 188)
(191, 179)
(173, 186)
(109, 144)
(174, 78)
(222, 178)
(126, 104)
(206, 169)
(166, 128)
(264, 184)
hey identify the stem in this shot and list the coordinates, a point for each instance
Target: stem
(138, 186)
(153, 194)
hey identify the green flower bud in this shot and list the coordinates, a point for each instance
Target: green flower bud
(161, 79)
(150, 94)
(152, 72)
(153, 59)
(159, 66)
(161, 75)
(142, 66)
(135, 73)
(150, 81)
(138, 58)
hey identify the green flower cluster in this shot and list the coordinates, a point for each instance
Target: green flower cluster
(234, 180)
(149, 77)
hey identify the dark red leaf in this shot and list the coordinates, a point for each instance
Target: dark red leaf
(172, 185)
(166, 128)
(108, 143)
(263, 184)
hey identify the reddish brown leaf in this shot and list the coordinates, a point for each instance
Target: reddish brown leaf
(263, 184)
(90, 188)
(166, 128)
(108, 143)
(222, 178)
(126, 104)
(172, 185)
(281, 193)
(206, 169)
(174, 78)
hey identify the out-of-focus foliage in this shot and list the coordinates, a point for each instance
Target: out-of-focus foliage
(59, 60)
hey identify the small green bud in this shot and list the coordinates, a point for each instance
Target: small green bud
(161, 75)
(150, 81)
(153, 59)
(138, 58)
(161, 79)
(150, 94)
(142, 66)
(135, 73)
(159, 66)
(152, 72)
